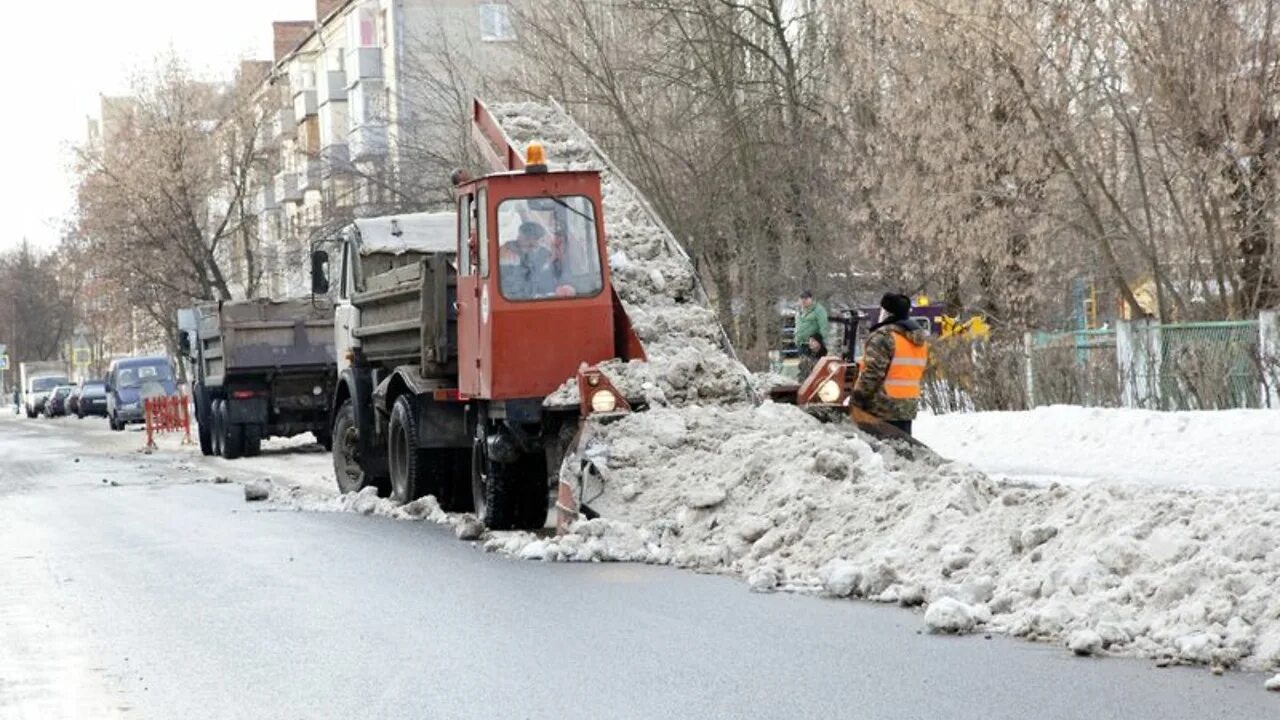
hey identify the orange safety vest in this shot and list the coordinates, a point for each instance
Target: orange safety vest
(906, 370)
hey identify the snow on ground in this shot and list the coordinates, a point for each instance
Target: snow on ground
(773, 496)
(1224, 449)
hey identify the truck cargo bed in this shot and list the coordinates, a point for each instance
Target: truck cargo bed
(407, 316)
(292, 335)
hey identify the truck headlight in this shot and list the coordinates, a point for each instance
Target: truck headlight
(604, 401)
(829, 392)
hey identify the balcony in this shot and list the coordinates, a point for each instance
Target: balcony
(364, 63)
(333, 87)
(334, 160)
(368, 142)
(265, 139)
(283, 125)
(304, 105)
(287, 188)
(310, 176)
(267, 200)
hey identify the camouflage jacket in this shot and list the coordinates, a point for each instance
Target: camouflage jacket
(868, 392)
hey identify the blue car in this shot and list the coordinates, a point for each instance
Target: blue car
(130, 381)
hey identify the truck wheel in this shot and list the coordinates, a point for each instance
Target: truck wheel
(202, 419)
(206, 438)
(415, 471)
(232, 435)
(508, 496)
(346, 453)
(204, 433)
(215, 428)
(252, 440)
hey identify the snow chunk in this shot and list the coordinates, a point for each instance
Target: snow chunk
(1273, 684)
(763, 579)
(1085, 642)
(948, 615)
(257, 490)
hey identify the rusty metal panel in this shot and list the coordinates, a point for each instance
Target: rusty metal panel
(261, 334)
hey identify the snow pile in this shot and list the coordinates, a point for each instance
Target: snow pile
(367, 502)
(682, 337)
(1226, 448)
(773, 496)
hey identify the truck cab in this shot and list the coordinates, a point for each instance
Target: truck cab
(533, 300)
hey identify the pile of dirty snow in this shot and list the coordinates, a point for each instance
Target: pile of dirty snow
(691, 359)
(773, 496)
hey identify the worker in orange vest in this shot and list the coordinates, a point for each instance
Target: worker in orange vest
(893, 365)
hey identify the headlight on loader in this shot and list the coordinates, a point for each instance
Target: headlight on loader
(604, 401)
(829, 392)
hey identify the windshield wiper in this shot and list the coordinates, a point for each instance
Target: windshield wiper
(589, 218)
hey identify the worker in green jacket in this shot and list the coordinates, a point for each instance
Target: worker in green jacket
(811, 321)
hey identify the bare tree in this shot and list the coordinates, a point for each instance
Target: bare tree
(163, 198)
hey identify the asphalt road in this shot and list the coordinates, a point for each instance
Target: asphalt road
(130, 589)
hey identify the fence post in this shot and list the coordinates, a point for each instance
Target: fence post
(1269, 356)
(1030, 374)
(1138, 357)
(148, 416)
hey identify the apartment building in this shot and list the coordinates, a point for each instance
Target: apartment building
(356, 107)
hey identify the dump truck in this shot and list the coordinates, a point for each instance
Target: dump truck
(452, 329)
(39, 378)
(261, 368)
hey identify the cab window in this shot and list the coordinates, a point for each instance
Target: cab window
(464, 235)
(548, 248)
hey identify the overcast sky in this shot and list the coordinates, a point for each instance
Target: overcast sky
(58, 57)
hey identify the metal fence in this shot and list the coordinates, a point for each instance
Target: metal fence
(1181, 366)
(1073, 368)
(1210, 366)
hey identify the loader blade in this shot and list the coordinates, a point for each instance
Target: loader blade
(879, 429)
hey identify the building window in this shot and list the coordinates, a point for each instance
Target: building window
(362, 27)
(495, 22)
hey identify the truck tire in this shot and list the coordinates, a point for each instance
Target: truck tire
(205, 434)
(232, 434)
(508, 496)
(347, 469)
(202, 417)
(252, 440)
(215, 428)
(417, 471)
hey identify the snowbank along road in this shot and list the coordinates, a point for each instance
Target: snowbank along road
(137, 586)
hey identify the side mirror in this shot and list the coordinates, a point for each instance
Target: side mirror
(319, 272)
(184, 342)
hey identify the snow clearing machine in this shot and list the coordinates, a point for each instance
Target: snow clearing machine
(452, 329)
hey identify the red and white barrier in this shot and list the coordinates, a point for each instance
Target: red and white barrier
(167, 415)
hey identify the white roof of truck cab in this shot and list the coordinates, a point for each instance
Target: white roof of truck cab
(413, 232)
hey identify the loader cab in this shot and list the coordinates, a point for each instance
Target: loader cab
(534, 290)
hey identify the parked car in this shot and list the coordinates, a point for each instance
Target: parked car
(56, 405)
(92, 399)
(73, 400)
(130, 381)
